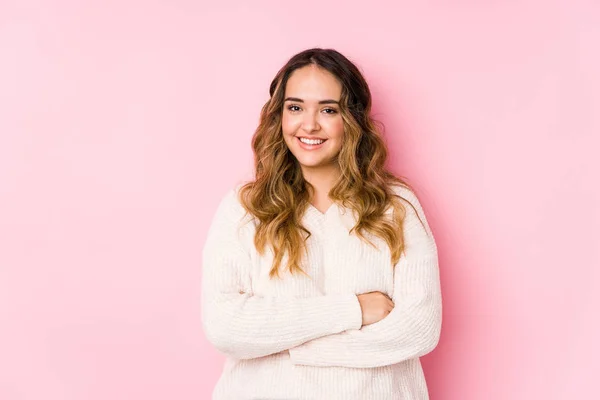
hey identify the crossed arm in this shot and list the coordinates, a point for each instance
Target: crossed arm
(324, 330)
(243, 325)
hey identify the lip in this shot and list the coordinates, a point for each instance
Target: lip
(310, 146)
(313, 138)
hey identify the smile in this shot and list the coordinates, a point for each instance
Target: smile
(311, 141)
(311, 144)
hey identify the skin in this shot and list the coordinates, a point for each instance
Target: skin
(311, 110)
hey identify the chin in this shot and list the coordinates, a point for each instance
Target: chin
(311, 164)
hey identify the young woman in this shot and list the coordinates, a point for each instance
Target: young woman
(320, 276)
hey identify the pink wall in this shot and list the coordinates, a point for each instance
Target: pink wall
(123, 123)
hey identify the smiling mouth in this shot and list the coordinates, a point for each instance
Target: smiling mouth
(311, 142)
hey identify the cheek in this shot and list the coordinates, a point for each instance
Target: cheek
(288, 124)
(336, 128)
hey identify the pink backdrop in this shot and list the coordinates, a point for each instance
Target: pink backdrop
(124, 122)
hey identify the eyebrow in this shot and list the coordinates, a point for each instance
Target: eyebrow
(328, 101)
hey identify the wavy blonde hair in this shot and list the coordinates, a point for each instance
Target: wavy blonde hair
(279, 195)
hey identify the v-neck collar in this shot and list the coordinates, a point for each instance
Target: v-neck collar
(316, 211)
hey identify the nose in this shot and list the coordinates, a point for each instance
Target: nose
(310, 122)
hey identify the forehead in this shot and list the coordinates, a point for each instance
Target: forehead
(313, 82)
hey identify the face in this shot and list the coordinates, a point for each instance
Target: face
(311, 121)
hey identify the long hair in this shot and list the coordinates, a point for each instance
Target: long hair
(279, 195)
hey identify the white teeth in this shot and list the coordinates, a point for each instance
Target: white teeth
(311, 141)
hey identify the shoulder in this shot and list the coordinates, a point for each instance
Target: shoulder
(230, 207)
(229, 221)
(231, 197)
(407, 195)
(229, 204)
(415, 214)
(401, 190)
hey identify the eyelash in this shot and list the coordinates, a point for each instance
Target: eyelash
(330, 109)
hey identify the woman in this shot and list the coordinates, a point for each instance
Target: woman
(320, 276)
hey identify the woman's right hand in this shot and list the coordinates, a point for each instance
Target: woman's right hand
(375, 306)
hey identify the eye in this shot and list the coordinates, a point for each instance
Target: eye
(330, 111)
(293, 108)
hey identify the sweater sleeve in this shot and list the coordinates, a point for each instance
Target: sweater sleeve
(412, 329)
(243, 325)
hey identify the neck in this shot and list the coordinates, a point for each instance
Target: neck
(322, 179)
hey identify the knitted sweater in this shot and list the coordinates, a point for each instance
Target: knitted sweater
(302, 337)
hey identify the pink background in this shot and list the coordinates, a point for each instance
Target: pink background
(124, 122)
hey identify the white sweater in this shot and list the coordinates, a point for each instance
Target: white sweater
(301, 338)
